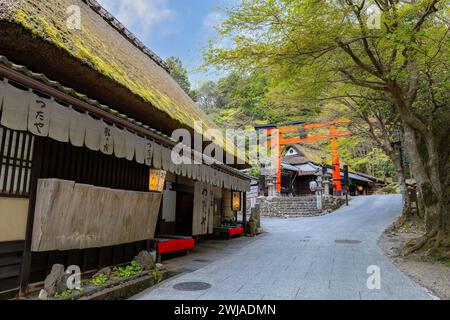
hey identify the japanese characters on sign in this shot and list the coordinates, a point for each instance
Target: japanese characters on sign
(236, 204)
(39, 117)
(157, 180)
(107, 142)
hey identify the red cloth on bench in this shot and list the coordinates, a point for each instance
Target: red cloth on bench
(236, 231)
(173, 245)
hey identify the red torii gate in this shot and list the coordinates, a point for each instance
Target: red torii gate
(333, 135)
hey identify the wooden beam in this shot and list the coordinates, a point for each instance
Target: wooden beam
(288, 141)
(294, 128)
(315, 138)
(35, 174)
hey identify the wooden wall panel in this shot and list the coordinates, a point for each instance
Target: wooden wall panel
(10, 262)
(63, 161)
(203, 215)
(13, 218)
(74, 216)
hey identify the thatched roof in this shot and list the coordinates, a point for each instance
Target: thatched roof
(297, 160)
(305, 154)
(103, 60)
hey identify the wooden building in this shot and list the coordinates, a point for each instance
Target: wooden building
(300, 167)
(85, 115)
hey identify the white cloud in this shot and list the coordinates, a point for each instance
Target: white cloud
(140, 16)
(212, 20)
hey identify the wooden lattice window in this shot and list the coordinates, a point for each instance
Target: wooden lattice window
(16, 155)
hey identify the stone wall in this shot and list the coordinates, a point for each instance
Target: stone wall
(332, 203)
(289, 207)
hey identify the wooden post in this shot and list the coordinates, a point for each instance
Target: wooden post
(347, 184)
(35, 174)
(244, 212)
(277, 148)
(335, 161)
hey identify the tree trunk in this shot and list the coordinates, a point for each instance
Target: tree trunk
(397, 158)
(407, 214)
(432, 183)
(395, 154)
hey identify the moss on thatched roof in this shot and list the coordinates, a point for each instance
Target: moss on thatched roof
(110, 50)
(307, 153)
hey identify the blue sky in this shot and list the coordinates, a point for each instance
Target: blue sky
(179, 28)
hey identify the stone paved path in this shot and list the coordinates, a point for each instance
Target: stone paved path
(301, 259)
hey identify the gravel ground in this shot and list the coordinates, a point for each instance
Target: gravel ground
(432, 275)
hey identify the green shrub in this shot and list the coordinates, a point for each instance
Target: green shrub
(66, 293)
(126, 271)
(442, 259)
(99, 280)
(390, 189)
(157, 275)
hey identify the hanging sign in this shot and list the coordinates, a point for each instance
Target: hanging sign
(236, 204)
(157, 180)
(39, 117)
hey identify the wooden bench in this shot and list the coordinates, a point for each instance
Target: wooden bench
(167, 244)
(229, 232)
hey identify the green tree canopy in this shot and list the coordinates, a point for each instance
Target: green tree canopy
(394, 50)
(180, 74)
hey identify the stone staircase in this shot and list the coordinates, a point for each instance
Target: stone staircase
(296, 206)
(289, 207)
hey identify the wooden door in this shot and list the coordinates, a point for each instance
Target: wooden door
(184, 214)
